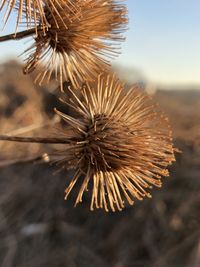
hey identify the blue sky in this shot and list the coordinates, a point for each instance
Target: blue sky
(163, 41)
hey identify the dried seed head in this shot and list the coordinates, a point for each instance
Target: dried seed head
(32, 13)
(80, 51)
(122, 144)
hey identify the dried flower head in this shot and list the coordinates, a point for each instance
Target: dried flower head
(121, 143)
(32, 13)
(80, 51)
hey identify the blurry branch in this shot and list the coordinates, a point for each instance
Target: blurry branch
(33, 229)
(195, 261)
(162, 260)
(19, 35)
(44, 158)
(42, 140)
(33, 127)
(11, 242)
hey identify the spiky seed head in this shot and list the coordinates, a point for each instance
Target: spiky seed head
(32, 13)
(79, 52)
(121, 145)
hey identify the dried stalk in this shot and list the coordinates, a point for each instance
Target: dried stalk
(41, 140)
(32, 159)
(18, 35)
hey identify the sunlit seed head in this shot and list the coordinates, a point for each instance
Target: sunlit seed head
(121, 143)
(33, 13)
(78, 44)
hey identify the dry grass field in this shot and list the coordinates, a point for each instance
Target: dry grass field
(39, 229)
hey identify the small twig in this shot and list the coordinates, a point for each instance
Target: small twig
(11, 242)
(19, 35)
(33, 127)
(32, 159)
(42, 140)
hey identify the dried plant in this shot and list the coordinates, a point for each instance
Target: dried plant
(72, 39)
(33, 12)
(79, 52)
(121, 144)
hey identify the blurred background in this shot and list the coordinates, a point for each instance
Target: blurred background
(37, 227)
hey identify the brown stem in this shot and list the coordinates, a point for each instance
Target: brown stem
(18, 35)
(9, 162)
(35, 139)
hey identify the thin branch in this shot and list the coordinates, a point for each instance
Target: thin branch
(33, 127)
(11, 242)
(18, 35)
(9, 162)
(42, 140)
